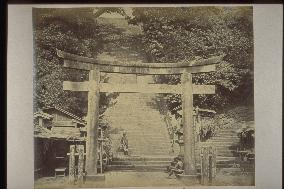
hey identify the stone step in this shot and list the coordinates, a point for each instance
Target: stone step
(235, 141)
(138, 123)
(229, 160)
(145, 149)
(230, 170)
(157, 150)
(228, 148)
(133, 146)
(144, 158)
(159, 135)
(227, 133)
(231, 140)
(162, 167)
(145, 127)
(150, 142)
(158, 166)
(214, 143)
(224, 137)
(149, 139)
(136, 168)
(163, 163)
(133, 110)
(217, 145)
(228, 154)
(149, 152)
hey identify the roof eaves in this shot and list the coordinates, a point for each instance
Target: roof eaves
(65, 112)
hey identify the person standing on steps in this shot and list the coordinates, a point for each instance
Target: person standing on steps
(124, 143)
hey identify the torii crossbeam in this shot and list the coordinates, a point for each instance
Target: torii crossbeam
(94, 87)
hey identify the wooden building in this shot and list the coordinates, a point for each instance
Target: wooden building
(54, 131)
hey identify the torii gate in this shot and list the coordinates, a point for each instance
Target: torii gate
(94, 87)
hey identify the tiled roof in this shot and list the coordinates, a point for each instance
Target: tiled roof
(43, 115)
(41, 132)
(76, 118)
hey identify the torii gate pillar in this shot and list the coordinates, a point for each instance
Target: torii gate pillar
(92, 125)
(188, 130)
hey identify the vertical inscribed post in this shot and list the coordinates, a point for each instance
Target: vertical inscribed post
(81, 161)
(72, 168)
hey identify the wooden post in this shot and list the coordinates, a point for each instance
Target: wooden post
(101, 152)
(201, 166)
(214, 161)
(188, 129)
(92, 123)
(72, 165)
(80, 151)
(197, 124)
(204, 166)
(208, 164)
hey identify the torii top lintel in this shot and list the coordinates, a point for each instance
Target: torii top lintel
(85, 63)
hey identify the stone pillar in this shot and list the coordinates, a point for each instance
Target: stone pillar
(80, 150)
(92, 124)
(72, 169)
(188, 129)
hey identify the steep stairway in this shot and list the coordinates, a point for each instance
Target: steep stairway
(140, 163)
(228, 160)
(146, 130)
(148, 138)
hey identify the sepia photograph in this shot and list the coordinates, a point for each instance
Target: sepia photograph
(143, 96)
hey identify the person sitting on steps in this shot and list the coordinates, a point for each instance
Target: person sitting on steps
(172, 165)
(177, 169)
(124, 143)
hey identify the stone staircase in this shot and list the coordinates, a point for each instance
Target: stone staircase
(144, 125)
(228, 161)
(148, 138)
(140, 163)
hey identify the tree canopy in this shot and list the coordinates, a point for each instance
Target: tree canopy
(169, 34)
(75, 31)
(178, 34)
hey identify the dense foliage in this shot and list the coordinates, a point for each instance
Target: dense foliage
(75, 31)
(184, 34)
(168, 35)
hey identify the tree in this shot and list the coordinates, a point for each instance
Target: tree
(179, 34)
(75, 31)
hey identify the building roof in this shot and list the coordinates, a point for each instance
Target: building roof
(75, 118)
(42, 115)
(67, 137)
(41, 132)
